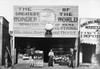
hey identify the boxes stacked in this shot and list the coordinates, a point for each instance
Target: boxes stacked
(38, 58)
(38, 63)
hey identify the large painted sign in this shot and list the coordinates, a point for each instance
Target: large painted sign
(90, 30)
(31, 20)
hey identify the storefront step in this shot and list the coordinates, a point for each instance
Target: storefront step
(3, 67)
(85, 65)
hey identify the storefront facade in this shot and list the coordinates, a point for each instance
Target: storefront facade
(89, 40)
(31, 21)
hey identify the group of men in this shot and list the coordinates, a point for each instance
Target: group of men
(51, 55)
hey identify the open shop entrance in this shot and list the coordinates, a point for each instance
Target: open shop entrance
(60, 46)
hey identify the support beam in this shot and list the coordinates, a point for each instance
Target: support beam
(13, 47)
(0, 45)
(80, 55)
(76, 53)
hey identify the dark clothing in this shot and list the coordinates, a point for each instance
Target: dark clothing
(72, 57)
(32, 53)
(50, 63)
(51, 55)
(32, 56)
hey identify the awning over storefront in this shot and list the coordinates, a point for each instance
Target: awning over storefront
(89, 41)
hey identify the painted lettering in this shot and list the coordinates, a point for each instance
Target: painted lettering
(67, 19)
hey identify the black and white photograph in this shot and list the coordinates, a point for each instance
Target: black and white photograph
(49, 34)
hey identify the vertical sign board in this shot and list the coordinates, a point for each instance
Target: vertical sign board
(31, 20)
(90, 30)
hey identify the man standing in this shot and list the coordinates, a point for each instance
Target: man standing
(51, 55)
(72, 57)
(32, 50)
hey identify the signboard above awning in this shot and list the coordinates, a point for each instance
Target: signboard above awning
(90, 30)
(34, 19)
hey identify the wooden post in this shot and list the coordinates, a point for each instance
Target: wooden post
(0, 44)
(76, 56)
(80, 56)
(13, 47)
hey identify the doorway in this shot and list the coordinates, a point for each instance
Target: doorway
(88, 50)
